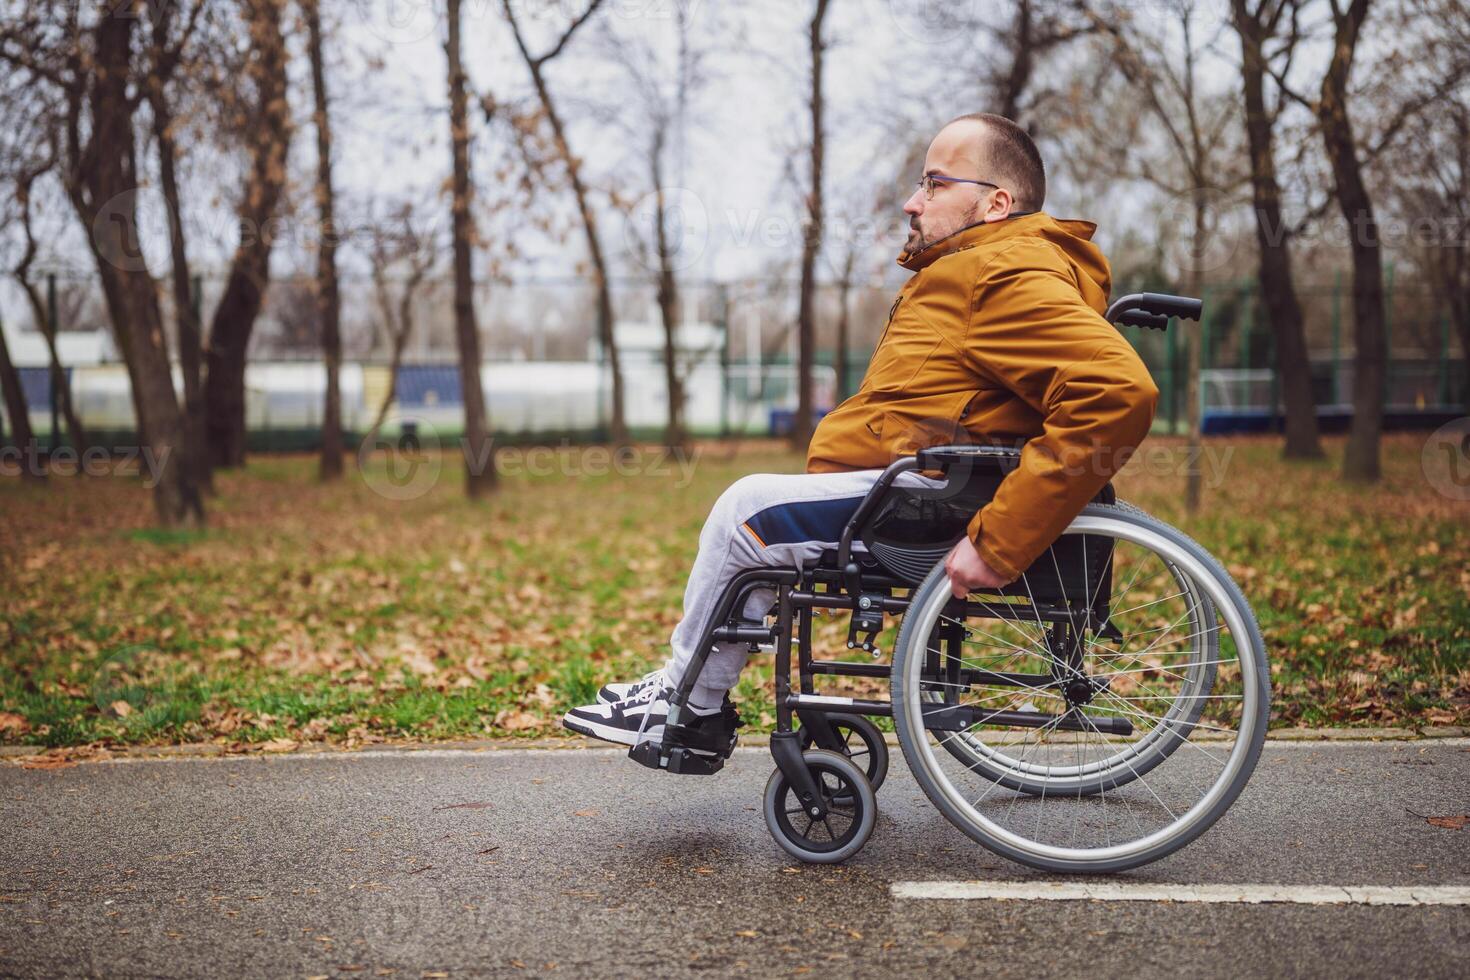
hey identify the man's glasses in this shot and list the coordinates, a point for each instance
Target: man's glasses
(931, 181)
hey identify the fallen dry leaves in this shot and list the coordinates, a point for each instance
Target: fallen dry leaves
(311, 613)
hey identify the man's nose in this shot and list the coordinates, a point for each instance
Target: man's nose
(915, 204)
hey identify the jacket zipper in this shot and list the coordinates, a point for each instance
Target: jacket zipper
(891, 311)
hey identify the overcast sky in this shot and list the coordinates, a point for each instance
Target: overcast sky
(895, 71)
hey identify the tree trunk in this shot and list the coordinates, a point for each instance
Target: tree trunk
(234, 318)
(1013, 85)
(844, 322)
(395, 360)
(811, 244)
(398, 329)
(1278, 291)
(102, 176)
(480, 476)
(60, 384)
(668, 308)
(186, 311)
(16, 411)
(605, 333)
(327, 298)
(1361, 459)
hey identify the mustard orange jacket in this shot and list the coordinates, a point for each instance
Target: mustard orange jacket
(999, 338)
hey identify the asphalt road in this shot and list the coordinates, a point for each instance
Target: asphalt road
(514, 862)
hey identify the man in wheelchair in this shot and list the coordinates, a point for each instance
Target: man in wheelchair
(998, 337)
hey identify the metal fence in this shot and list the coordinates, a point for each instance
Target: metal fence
(545, 372)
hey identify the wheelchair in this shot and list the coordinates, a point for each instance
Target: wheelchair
(1097, 714)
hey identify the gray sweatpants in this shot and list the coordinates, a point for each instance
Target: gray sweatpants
(765, 520)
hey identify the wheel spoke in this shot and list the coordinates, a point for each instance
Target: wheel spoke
(1179, 665)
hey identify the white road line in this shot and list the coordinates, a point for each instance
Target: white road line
(1078, 891)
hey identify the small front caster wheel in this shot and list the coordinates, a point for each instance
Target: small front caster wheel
(850, 804)
(862, 742)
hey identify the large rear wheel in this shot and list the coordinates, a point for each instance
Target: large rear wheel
(1099, 713)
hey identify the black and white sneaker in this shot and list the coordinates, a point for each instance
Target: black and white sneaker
(625, 690)
(636, 719)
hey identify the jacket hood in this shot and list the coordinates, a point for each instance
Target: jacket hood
(1073, 238)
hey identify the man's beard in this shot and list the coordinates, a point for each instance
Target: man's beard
(916, 246)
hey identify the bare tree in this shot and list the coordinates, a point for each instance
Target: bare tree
(16, 410)
(170, 54)
(536, 66)
(658, 128)
(265, 125)
(1268, 30)
(328, 302)
(89, 62)
(1194, 126)
(28, 169)
(1348, 152)
(1429, 175)
(811, 239)
(393, 246)
(868, 207)
(480, 474)
(1037, 29)
(1334, 122)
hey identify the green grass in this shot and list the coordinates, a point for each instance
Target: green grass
(330, 612)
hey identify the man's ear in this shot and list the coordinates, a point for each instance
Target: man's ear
(1001, 205)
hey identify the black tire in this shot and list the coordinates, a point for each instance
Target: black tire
(862, 743)
(1020, 843)
(839, 779)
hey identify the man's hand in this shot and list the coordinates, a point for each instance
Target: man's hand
(967, 571)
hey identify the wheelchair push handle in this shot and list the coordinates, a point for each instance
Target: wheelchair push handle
(1153, 310)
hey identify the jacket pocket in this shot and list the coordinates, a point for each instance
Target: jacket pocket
(931, 420)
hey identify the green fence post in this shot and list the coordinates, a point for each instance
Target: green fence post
(51, 325)
(1388, 336)
(1278, 417)
(1204, 354)
(1171, 373)
(1243, 354)
(722, 314)
(1336, 338)
(1444, 359)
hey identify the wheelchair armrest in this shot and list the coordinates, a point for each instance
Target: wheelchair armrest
(943, 457)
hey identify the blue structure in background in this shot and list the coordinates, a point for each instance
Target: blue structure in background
(429, 385)
(36, 383)
(783, 420)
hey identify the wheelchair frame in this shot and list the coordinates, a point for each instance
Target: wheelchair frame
(865, 590)
(701, 747)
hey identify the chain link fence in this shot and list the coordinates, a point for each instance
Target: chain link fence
(546, 375)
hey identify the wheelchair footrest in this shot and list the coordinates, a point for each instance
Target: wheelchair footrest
(696, 749)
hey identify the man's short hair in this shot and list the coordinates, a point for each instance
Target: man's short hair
(1009, 157)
